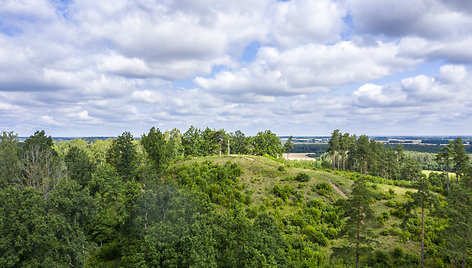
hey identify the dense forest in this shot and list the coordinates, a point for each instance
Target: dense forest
(208, 198)
(319, 148)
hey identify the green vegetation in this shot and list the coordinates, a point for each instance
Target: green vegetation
(211, 199)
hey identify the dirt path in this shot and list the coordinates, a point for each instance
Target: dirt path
(336, 188)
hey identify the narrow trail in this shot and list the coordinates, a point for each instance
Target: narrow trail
(336, 188)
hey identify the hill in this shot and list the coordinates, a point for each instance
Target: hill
(273, 188)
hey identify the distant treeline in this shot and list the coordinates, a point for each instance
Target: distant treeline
(321, 148)
(309, 148)
(427, 148)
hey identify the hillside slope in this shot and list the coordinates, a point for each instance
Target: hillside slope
(273, 187)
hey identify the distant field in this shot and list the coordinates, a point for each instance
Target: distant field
(430, 171)
(297, 156)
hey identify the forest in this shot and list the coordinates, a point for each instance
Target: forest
(209, 198)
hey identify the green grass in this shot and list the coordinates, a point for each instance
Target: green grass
(261, 174)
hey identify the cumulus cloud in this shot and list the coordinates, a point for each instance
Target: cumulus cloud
(50, 120)
(450, 86)
(73, 66)
(422, 18)
(303, 21)
(307, 69)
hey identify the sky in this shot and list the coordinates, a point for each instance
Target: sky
(298, 67)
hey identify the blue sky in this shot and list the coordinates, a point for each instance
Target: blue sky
(300, 67)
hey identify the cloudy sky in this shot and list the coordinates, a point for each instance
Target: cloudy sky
(301, 67)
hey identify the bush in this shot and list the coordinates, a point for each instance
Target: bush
(379, 259)
(382, 218)
(281, 168)
(283, 192)
(315, 235)
(398, 252)
(302, 177)
(324, 188)
(325, 164)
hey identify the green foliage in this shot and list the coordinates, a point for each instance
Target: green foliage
(124, 156)
(79, 166)
(159, 151)
(114, 207)
(283, 192)
(315, 235)
(33, 234)
(219, 182)
(324, 188)
(325, 164)
(459, 230)
(239, 144)
(9, 159)
(288, 146)
(360, 215)
(460, 158)
(267, 143)
(302, 177)
(39, 140)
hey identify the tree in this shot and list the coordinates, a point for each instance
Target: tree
(42, 169)
(459, 213)
(344, 145)
(9, 159)
(239, 143)
(191, 141)
(32, 234)
(333, 146)
(446, 157)
(99, 150)
(79, 166)
(267, 143)
(363, 153)
(156, 148)
(174, 142)
(288, 146)
(460, 158)
(422, 199)
(360, 217)
(39, 140)
(123, 156)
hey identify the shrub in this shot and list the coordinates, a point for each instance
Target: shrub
(323, 188)
(283, 192)
(302, 177)
(281, 168)
(325, 164)
(315, 235)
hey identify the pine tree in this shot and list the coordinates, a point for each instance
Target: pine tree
(360, 217)
(333, 146)
(460, 158)
(459, 212)
(445, 156)
(288, 145)
(423, 199)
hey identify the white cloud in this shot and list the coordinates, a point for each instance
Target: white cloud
(422, 18)
(50, 120)
(304, 21)
(81, 65)
(307, 69)
(450, 86)
(38, 9)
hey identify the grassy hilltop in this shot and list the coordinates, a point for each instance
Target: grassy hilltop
(273, 188)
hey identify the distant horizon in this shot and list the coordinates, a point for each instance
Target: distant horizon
(279, 136)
